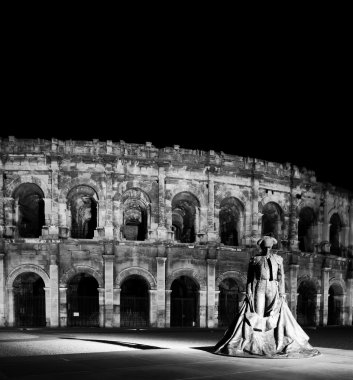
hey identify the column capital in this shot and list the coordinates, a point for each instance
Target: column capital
(211, 261)
(161, 260)
(152, 291)
(108, 258)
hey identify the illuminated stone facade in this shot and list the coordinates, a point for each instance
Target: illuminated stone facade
(128, 235)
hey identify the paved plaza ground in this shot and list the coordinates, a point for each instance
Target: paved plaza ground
(174, 354)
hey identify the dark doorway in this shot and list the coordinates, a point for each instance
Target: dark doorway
(306, 305)
(228, 305)
(334, 305)
(83, 301)
(272, 222)
(29, 299)
(134, 303)
(184, 303)
(229, 217)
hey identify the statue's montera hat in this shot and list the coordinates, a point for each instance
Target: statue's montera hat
(267, 241)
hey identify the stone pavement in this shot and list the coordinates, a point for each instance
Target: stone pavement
(175, 354)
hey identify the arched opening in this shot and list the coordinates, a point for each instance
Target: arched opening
(29, 299)
(228, 305)
(305, 229)
(272, 221)
(30, 217)
(184, 303)
(306, 305)
(335, 304)
(335, 229)
(229, 221)
(185, 208)
(134, 303)
(83, 301)
(82, 202)
(135, 214)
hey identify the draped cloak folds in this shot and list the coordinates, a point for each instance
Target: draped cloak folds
(277, 335)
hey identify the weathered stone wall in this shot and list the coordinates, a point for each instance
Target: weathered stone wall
(141, 177)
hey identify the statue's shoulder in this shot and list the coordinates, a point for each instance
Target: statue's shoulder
(278, 258)
(255, 259)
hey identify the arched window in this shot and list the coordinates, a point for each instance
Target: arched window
(30, 210)
(185, 217)
(136, 213)
(229, 221)
(82, 202)
(272, 220)
(335, 229)
(305, 229)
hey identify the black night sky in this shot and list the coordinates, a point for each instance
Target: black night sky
(260, 98)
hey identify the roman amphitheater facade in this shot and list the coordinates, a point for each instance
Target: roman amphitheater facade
(125, 235)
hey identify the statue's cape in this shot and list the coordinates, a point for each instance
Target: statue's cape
(275, 336)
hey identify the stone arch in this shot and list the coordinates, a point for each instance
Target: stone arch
(27, 268)
(338, 282)
(335, 210)
(11, 187)
(191, 189)
(67, 276)
(188, 272)
(136, 271)
(77, 182)
(316, 283)
(239, 277)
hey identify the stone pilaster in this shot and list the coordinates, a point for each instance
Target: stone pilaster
(63, 306)
(9, 216)
(211, 231)
(167, 307)
(255, 233)
(108, 227)
(101, 293)
(108, 289)
(54, 293)
(325, 277)
(161, 229)
(116, 307)
(202, 309)
(11, 311)
(153, 307)
(293, 288)
(47, 306)
(317, 309)
(161, 304)
(326, 223)
(211, 284)
(216, 303)
(349, 302)
(2, 291)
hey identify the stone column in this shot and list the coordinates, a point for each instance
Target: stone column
(167, 308)
(11, 311)
(108, 225)
(211, 284)
(349, 301)
(108, 288)
(255, 233)
(63, 306)
(202, 308)
(211, 233)
(161, 229)
(9, 204)
(343, 313)
(293, 288)
(326, 224)
(216, 303)
(54, 293)
(325, 277)
(47, 211)
(2, 291)
(345, 236)
(153, 307)
(101, 292)
(317, 309)
(161, 304)
(350, 239)
(116, 307)
(47, 306)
